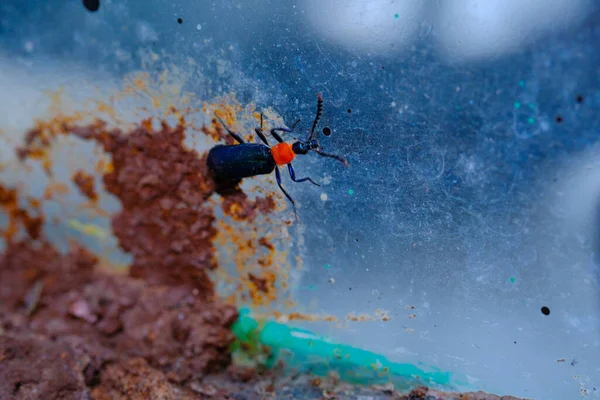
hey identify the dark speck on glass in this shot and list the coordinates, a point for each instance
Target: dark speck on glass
(545, 310)
(327, 131)
(179, 21)
(91, 5)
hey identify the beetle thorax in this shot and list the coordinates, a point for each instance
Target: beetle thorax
(283, 153)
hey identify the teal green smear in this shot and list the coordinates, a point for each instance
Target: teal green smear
(512, 279)
(327, 266)
(396, 15)
(521, 83)
(303, 351)
(350, 192)
(517, 104)
(531, 120)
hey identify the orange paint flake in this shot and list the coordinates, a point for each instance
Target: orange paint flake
(104, 167)
(235, 210)
(298, 316)
(383, 315)
(147, 124)
(259, 288)
(18, 217)
(39, 138)
(179, 114)
(35, 203)
(102, 107)
(229, 111)
(85, 183)
(263, 241)
(359, 317)
(139, 83)
(260, 284)
(55, 189)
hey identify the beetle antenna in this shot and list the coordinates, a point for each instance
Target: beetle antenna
(339, 158)
(317, 117)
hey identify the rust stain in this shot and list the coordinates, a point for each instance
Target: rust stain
(298, 316)
(18, 217)
(150, 187)
(359, 317)
(263, 241)
(383, 315)
(85, 183)
(173, 207)
(261, 284)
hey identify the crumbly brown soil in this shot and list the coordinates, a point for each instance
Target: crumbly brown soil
(70, 331)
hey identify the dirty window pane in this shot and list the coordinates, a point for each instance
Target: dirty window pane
(447, 236)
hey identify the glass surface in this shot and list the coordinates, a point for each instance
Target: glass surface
(470, 207)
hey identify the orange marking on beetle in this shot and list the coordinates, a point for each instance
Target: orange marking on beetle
(283, 153)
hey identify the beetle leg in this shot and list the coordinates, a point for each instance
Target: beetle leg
(276, 135)
(261, 135)
(278, 177)
(293, 176)
(237, 137)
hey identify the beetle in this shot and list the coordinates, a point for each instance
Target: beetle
(229, 164)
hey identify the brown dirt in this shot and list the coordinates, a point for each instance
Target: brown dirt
(70, 331)
(163, 187)
(161, 325)
(17, 216)
(85, 183)
(135, 379)
(32, 367)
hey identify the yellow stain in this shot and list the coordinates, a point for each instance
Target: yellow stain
(88, 229)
